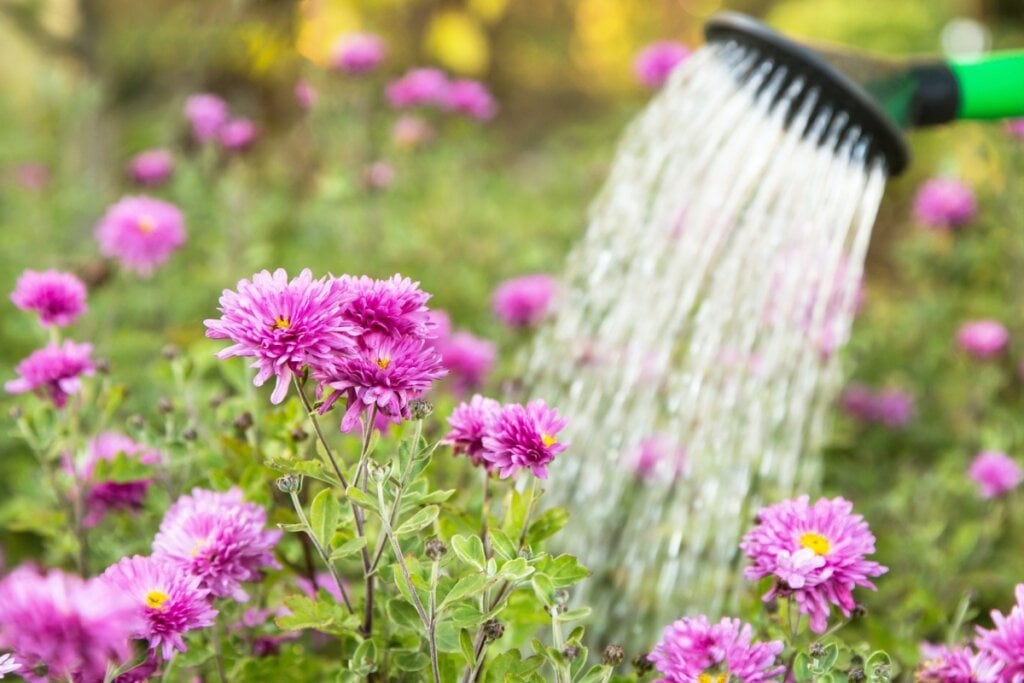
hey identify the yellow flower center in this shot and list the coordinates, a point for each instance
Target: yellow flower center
(548, 439)
(816, 542)
(282, 323)
(156, 599)
(200, 544)
(713, 678)
(146, 224)
(383, 363)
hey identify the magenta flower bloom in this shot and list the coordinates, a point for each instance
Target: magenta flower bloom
(944, 203)
(379, 175)
(207, 113)
(305, 94)
(58, 298)
(324, 581)
(983, 338)
(411, 131)
(283, 325)
(152, 167)
(858, 401)
(107, 496)
(894, 407)
(386, 372)
(168, 602)
(1015, 127)
(524, 437)
(237, 135)
(524, 301)
(1004, 644)
(358, 53)
(219, 538)
(141, 233)
(941, 664)
(653, 454)
(470, 423)
(394, 307)
(54, 371)
(995, 473)
(419, 87)
(692, 649)
(471, 98)
(64, 626)
(815, 552)
(655, 62)
(468, 359)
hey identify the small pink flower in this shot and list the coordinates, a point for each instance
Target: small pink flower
(58, 298)
(411, 132)
(207, 113)
(894, 407)
(941, 664)
(141, 233)
(1015, 127)
(468, 359)
(33, 176)
(379, 175)
(472, 99)
(657, 455)
(419, 87)
(152, 167)
(693, 650)
(656, 61)
(358, 53)
(54, 371)
(238, 135)
(1004, 644)
(470, 423)
(983, 338)
(995, 473)
(523, 437)
(524, 301)
(944, 203)
(305, 94)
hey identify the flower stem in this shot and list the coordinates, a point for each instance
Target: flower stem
(319, 431)
(484, 512)
(357, 512)
(320, 551)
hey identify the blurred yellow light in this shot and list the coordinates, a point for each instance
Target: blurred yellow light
(320, 24)
(489, 11)
(458, 42)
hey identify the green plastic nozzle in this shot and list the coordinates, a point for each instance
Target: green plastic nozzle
(991, 86)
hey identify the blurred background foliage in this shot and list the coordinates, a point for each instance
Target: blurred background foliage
(88, 83)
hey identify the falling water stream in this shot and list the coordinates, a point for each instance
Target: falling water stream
(694, 347)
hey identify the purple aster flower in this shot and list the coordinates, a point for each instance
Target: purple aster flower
(995, 473)
(219, 538)
(1004, 644)
(941, 664)
(358, 53)
(655, 62)
(54, 371)
(815, 552)
(8, 665)
(858, 401)
(237, 135)
(524, 437)
(983, 338)
(141, 232)
(62, 627)
(394, 307)
(58, 298)
(411, 132)
(470, 423)
(106, 496)
(468, 359)
(440, 325)
(1015, 127)
(305, 94)
(207, 113)
(693, 649)
(471, 98)
(894, 407)
(167, 601)
(283, 325)
(419, 87)
(152, 167)
(944, 203)
(386, 372)
(653, 454)
(524, 301)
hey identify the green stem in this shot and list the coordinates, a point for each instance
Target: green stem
(320, 551)
(357, 512)
(396, 506)
(562, 672)
(218, 653)
(319, 432)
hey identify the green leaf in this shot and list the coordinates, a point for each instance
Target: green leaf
(314, 469)
(435, 497)
(563, 571)
(360, 498)
(306, 613)
(410, 661)
(349, 548)
(516, 570)
(421, 519)
(595, 674)
(364, 659)
(467, 586)
(544, 589)
(466, 645)
(547, 525)
(402, 613)
(802, 668)
(502, 545)
(465, 615)
(324, 516)
(574, 614)
(292, 528)
(470, 549)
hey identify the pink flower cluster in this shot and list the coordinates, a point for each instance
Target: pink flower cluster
(211, 121)
(891, 407)
(657, 61)
(693, 649)
(944, 204)
(815, 554)
(524, 301)
(430, 87)
(57, 297)
(365, 340)
(54, 371)
(358, 53)
(995, 473)
(107, 496)
(506, 439)
(983, 338)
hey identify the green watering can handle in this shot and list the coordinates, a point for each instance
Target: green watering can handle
(991, 86)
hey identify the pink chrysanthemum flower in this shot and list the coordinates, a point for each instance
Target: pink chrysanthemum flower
(152, 167)
(524, 437)
(470, 423)
(386, 372)
(284, 325)
(983, 338)
(944, 203)
(207, 113)
(394, 307)
(655, 62)
(859, 401)
(692, 649)
(468, 359)
(60, 627)
(54, 371)
(237, 135)
(524, 301)
(815, 552)
(358, 53)
(378, 175)
(411, 132)
(305, 94)
(940, 664)
(58, 298)
(219, 538)
(141, 232)
(995, 473)
(471, 98)
(419, 87)
(1004, 644)
(894, 407)
(106, 496)
(168, 602)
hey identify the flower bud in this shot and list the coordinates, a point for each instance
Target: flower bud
(164, 405)
(420, 408)
(642, 664)
(435, 549)
(817, 650)
(136, 422)
(243, 422)
(378, 473)
(856, 675)
(860, 611)
(493, 629)
(170, 352)
(571, 652)
(613, 655)
(299, 434)
(190, 434)
(289, 483)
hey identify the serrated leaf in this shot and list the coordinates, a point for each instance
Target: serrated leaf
(516, 570)
(563, 571)
(470, 549)
(466, 587)
(547, 525)
(421, 519)
(324, 517)
(306, 613)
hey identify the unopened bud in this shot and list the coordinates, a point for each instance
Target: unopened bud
(136, 422)
(299, 434)
(817, 650)
(16, 412)
(613, 655)
(882, 672)
(771, 606)
(642, 664)
(420, 409)
(190, 434)
(289, 483)
(493, 629)
(243, 421)
(165, 405)
(571, 652)
(378, 473)
(102, 366)
(435, 549)
(561, 597)
(860, 611)
(216, 400)
(856, 674)
(170, 352)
